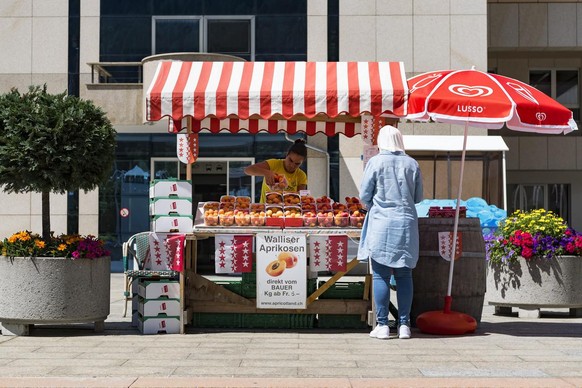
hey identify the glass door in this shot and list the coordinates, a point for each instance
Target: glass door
(167, 168)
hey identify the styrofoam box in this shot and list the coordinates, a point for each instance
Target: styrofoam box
(154, 289)
(168, 187)
(166, 206)
(169, 224)
(156, 325)
(153, 308)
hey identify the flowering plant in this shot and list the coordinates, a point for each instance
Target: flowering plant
(537, 233)
(28, 244)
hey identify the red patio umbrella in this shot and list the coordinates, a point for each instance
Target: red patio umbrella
(478, 99)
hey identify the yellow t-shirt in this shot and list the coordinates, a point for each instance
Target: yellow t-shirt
(294, 179)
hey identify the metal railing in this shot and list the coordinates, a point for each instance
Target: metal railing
(116, 72)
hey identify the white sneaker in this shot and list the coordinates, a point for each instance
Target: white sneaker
(380, 332)
(404, 332)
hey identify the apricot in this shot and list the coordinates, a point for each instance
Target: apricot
(289, 258)
(276, 267)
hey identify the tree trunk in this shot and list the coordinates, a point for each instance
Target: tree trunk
(46, 215)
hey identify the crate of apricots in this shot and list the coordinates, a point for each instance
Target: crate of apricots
(356, 215)
(308, 211)
(226, 215)
(274, 215)
(309, 218)
(341, 217)
(258, 214)
(242, 217)
(226, 210)
(323, 204)
(273, 198)
(242, 203)
(357, 218)
(293, 216)
(211, 213)
(291, 199)
(335, 214)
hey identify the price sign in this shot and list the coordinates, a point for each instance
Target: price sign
(281, 270)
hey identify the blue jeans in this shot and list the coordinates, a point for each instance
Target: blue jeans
(381, 288)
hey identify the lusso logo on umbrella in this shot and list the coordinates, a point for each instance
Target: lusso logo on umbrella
(470, 91)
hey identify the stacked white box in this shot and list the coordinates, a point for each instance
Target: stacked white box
(155, 289)
(170, 187)
(158, 325)
(172, 224)
(171, 206)
(158, 309)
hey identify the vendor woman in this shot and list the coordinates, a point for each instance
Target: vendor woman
(289, 168)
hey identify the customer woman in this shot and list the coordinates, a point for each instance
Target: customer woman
(391, 185)
(288, 167)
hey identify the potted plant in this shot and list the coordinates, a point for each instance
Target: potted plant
(534, 261)
(52, 143)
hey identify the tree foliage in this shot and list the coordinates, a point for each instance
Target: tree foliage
(53, 143)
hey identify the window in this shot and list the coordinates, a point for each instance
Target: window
(173, 34)
(562, 85)
(554, 197)
(232, 35)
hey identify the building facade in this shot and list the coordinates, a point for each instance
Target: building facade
(95, 49)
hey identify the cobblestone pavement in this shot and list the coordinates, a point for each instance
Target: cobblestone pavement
(505, 351)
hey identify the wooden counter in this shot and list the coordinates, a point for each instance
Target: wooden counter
(200, 295)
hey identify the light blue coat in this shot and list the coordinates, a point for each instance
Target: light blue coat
(391, 185)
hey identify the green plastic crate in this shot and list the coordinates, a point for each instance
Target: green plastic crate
(249, 290)
(344, 290)
(231, 285)
(302, 321)
(278, 321)
(250, 277)
(217, 320)
(311, 286)
(332, 321)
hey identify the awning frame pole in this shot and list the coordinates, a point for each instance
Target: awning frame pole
(188, 131)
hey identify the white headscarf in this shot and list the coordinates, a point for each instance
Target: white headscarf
(390, 139)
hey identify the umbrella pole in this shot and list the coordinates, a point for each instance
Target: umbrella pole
(448, 298)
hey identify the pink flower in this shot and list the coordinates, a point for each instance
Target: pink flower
(527, 253)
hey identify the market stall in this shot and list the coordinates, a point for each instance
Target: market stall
(349, 98)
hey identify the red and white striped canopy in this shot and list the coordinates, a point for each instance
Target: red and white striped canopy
(254, 126)
(275, 90)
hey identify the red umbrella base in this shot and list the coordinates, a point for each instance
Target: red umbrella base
(446, 323)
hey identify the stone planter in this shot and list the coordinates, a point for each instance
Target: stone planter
(47, 290)
(534, 284)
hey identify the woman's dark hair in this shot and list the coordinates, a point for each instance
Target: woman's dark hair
(298, 148)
